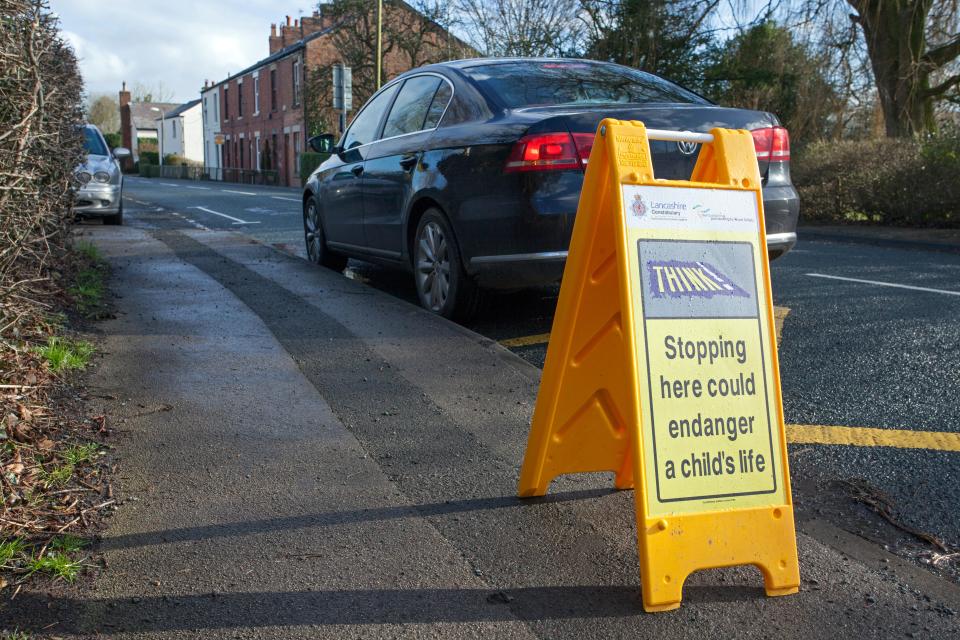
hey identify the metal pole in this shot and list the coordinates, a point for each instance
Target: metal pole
(379, 43)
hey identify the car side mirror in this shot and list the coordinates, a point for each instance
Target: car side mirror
(323, 143)
(121, 152)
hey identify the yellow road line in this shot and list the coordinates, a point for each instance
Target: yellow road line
(526, 341)
(868, 437)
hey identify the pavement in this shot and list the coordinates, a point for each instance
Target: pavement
(307, 455)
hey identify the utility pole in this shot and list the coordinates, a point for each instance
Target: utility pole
(379, 43)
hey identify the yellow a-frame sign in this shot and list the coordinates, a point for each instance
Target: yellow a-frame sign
(662, 363)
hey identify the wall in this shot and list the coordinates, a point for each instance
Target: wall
(279, 125)
(192, 140)
(210, 112)
(171, 137)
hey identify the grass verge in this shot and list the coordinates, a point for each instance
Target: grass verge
(54, 477)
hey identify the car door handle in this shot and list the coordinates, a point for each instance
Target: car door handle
(408, 162)
(357, 170)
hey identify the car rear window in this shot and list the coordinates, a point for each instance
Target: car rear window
(539, 84)
(93, 143)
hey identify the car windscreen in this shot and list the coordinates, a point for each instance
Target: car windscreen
(93, 143)
(543, 84)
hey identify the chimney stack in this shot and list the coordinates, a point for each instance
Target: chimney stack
(124, 96)
(276, 40)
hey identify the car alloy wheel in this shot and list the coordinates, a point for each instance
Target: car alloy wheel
(433, 266)
(314, 235)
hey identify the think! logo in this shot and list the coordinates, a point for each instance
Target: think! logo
(678, 279)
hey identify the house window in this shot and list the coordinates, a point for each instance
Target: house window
(216, 107)
(174, 129)
(258, 150)
(239, 100)
(256, 93)
(226, 102)
(296, 82)
(240, 156)
(296, 153)
(273, 89)
(273, 151)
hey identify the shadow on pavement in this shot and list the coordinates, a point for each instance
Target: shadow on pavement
(338, 518)
(347, 607)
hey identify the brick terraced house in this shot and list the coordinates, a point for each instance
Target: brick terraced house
(263, 110)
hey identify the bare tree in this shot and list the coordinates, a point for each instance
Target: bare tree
(522, 27)
(104, 112)
(910, 46)
(412, 36)
(151, 92)
(910, 49)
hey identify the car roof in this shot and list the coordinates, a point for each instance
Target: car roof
(466, 63)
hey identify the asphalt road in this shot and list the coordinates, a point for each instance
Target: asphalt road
(338, 464)
(854, 353)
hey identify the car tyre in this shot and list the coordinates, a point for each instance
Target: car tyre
(316, 241)
(443, 285)
(116, 218)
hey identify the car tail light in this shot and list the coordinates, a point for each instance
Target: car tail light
(772, 144)
(550, 151)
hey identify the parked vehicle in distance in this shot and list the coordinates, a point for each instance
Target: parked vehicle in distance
(99, 190)
(468, 173)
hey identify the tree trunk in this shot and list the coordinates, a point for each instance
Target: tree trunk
(895, 32)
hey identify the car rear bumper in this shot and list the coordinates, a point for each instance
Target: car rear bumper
(98, 200)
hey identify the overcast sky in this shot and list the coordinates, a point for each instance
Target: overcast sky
(179, 43)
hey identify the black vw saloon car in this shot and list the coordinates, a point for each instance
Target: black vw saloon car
(468, 173)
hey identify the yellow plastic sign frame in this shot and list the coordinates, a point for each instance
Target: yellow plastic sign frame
(589, 414)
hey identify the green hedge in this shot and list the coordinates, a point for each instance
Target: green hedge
(894, 182)
(149, 157)
(114, 140)
(309, 161)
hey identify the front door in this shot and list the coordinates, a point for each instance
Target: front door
(392, 161)
(341, 201)
(341, 188)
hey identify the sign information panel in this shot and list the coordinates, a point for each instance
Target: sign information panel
(709, 437)
(342, 88)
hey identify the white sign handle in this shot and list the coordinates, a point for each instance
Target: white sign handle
(679, 136)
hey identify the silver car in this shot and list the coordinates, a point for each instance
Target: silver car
(99, 179)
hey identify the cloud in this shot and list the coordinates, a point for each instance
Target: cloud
(176, 43)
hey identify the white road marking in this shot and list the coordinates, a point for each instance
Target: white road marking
(169, 184)
(282, 198)
(886, 284)
(200, 188)
(243, 193)
(223, 215)
(191, 221)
